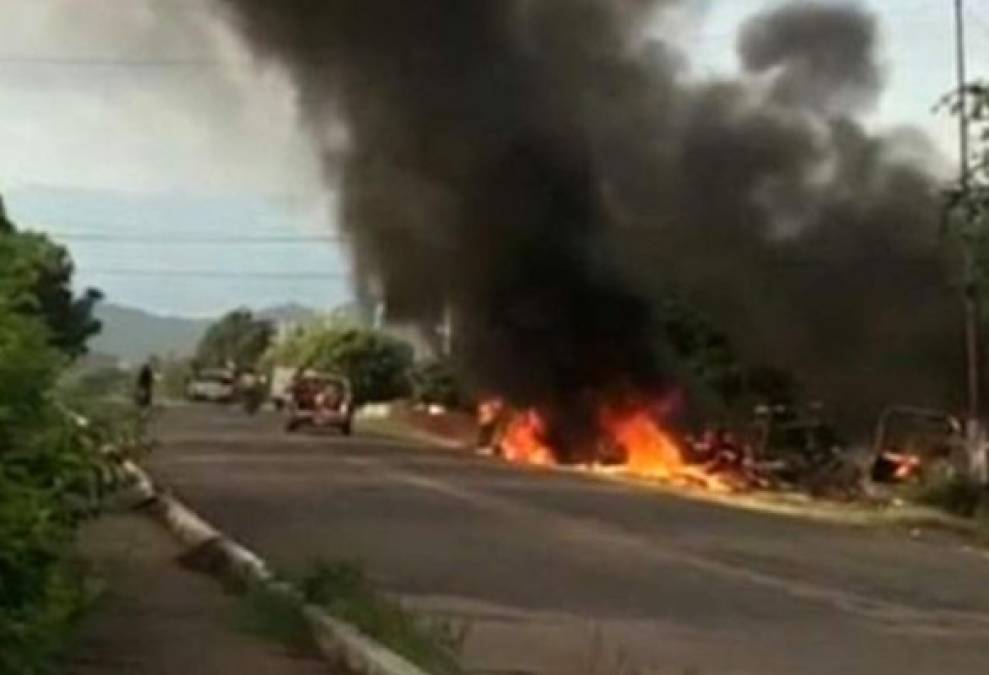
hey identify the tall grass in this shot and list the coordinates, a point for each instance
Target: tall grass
(344, 591)
(957, 495)
(276, 616)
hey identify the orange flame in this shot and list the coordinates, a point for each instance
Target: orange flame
(907, 465)
(647, 449)
(651, 452)
(523, 441)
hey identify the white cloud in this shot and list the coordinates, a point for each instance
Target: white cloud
(68, 118)
(98, 133)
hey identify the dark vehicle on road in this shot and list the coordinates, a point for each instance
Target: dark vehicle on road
(320, 400)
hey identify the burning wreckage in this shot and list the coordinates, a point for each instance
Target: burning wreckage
(630, 437)
(778, 449)
(549, 173)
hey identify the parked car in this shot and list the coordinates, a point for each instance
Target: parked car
(320, 400)
(213, 386)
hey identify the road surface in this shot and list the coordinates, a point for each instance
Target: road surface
(567, 574)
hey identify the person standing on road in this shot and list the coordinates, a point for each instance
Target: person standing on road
(490, 415)
(144, 393)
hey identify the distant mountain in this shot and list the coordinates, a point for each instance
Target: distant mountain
(288, 313)
(133, 334)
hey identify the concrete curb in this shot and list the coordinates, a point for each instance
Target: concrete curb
(340, 643)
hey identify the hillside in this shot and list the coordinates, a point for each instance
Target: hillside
(133, 334)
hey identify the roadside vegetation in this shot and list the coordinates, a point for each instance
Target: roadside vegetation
(52, 433)
(237, 341)
(435, 382)
(343, 591)
(175, 373)
(957, 495)
(276, 616)
(376, 364)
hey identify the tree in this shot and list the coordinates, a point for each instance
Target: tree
(436, 381)
(239, 338)
(967, 221)
(36, 281)
(5, 225)
(702, 351)
(48, 462)
(376, 364)
(28, 366)
(717, 379)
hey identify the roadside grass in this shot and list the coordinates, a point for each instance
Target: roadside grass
(276, 616)
(345, 592)
(958, 496)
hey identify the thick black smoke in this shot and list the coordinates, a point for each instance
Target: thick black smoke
(825, 55)
(544, 166)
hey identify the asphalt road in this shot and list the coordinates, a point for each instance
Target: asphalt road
(573, 575)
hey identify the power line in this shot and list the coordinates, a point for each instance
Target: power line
(216, 274)
(114, 62)
(134, 228)
(185, 241)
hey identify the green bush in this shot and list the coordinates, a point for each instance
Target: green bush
(50, 461)
(43, 496)
(85, 383)
(277, 616)
(49, 480)
(436, 382)
(956, 494)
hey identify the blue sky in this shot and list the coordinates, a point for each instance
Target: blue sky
(133, 164)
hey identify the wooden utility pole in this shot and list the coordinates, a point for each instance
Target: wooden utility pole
(971, 292)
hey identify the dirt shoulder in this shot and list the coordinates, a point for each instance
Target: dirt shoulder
(157, 618)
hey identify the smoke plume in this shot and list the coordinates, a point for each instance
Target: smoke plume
(547, 169)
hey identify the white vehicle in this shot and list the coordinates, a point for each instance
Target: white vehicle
(214, 386)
